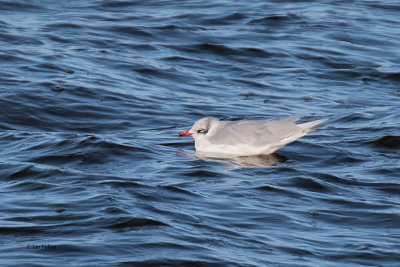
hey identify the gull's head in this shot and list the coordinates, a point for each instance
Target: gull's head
(200, 128)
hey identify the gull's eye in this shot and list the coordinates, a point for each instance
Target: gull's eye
(201, 131)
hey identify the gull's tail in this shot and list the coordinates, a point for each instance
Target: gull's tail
(312, 125)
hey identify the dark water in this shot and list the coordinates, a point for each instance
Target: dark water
(93, 94)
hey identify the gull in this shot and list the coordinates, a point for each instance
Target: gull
(247, 137)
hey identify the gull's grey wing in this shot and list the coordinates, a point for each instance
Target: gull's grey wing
(253, 132)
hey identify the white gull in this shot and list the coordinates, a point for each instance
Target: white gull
(247, 137)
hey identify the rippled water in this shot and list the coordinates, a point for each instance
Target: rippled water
(94, 93)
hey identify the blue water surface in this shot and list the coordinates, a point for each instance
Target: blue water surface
(92, 97)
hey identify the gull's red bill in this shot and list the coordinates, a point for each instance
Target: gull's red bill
(185, 133)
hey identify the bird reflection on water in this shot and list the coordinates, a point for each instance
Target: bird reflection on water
(237, 162)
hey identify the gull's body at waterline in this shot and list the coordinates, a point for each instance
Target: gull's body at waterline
(247, 137)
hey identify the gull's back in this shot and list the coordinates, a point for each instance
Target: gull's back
(253, 132)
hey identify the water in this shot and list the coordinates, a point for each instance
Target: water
(94, 93)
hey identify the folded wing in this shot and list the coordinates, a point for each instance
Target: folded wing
(254, 132)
